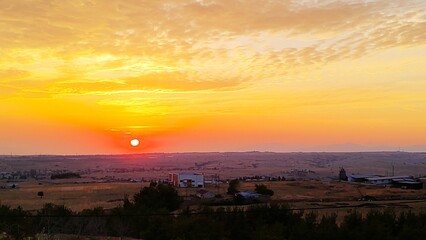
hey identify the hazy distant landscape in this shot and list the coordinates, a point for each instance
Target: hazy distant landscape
(106, 179)
(156, 166)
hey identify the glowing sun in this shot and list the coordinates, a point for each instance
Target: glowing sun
(134, 142)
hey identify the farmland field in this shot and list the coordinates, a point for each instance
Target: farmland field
(310, 177)
(303, 193)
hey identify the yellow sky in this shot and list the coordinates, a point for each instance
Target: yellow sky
(191, 75)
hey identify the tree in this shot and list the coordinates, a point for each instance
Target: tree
(40, 194)
(65, 175)
(342, 175)
(91, 222)
(262, 189)
(233, 186)
(239, 200)
(157, 197)
(53, 218)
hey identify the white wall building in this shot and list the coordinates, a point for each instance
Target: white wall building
(185, 179)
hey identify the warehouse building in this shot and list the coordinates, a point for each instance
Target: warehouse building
(360, 177)
(186, 179)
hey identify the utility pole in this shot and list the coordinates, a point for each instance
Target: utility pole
(393, 170)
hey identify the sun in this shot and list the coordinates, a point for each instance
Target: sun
(134, 142)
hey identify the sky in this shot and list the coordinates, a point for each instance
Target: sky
(88, 76)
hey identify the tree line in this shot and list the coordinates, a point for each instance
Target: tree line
(151, 214)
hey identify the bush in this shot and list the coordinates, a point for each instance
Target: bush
(53, 218)
(233, 186)
(157, 197)
(262, 189)
(65, 175)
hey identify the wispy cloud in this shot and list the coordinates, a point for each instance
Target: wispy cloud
(174, 44)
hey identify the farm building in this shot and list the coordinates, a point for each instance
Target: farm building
(406, 182)
(388, 180)
(185, 179)
(360, 177)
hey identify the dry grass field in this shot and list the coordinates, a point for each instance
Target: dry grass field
(74, 196)
(313, 190)
(300, 194)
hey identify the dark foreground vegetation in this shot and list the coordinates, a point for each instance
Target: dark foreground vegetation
(151, 214)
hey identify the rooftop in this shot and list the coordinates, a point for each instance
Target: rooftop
(187, 173)
(388, 178)
(363, 175)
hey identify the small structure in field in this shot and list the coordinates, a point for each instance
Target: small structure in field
(10, 186)
(423, 180)
(202, 193)
(187, 180)
(409, 184)
(247, 195)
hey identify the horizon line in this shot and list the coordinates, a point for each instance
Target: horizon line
(207, 152)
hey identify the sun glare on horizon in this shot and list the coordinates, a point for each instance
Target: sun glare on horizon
(134, 142)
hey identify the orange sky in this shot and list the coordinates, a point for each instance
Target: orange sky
(85, 77)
